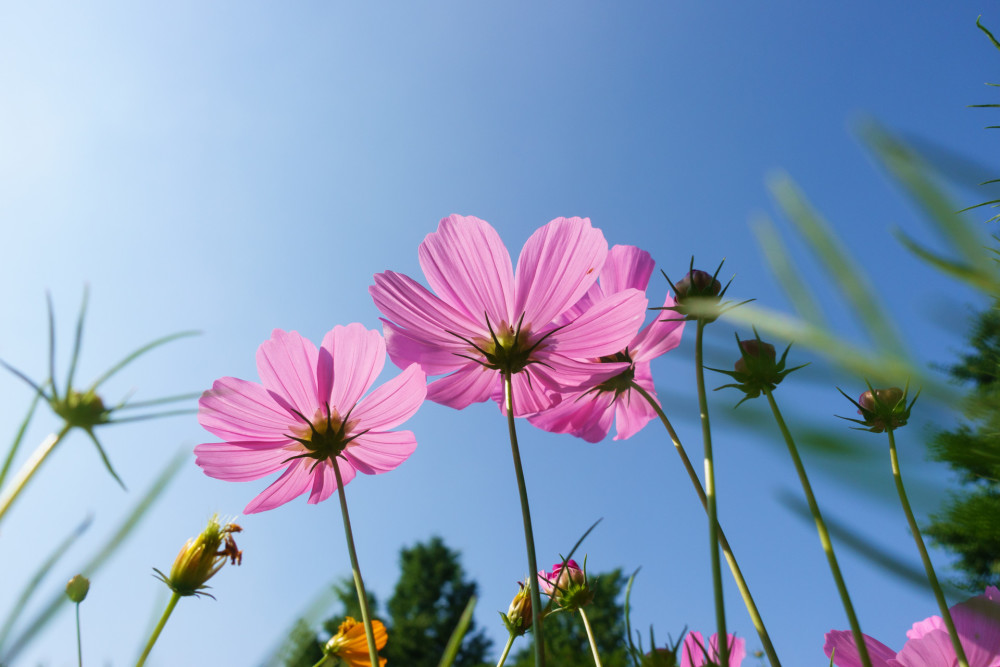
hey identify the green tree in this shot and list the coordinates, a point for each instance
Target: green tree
(429, 598)
(968, 524)
(566, 643)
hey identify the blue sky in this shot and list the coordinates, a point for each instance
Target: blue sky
(239, 167)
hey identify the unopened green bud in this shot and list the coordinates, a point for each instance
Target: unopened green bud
(77, 588)
(82, 409)
(882, 409)
(519, 615)
(757, 370)
(697, 283)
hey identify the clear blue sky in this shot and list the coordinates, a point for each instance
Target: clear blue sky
(237, 167)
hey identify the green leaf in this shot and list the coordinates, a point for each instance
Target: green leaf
(779, 260)
(455, 641)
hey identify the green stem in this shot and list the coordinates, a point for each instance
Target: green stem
(931, 576)
(741, 583)
(824, 535)
(79, 642)
(322, 662)
(713, 516)
(590, 636)
(158, 629)
(28, 470)
(358, 583)
(529, 538)
(506, 650)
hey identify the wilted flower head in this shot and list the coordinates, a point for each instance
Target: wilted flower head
(485, 320)
(519, 615)
(757, 370)
(77, 588)
(977, 622)
(566, 585)
(308, 415)
(350, 644)
(882, 409)
(696, 654)
(202, 557)
(589, 412)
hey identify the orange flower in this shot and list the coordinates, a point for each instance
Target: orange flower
(351, 645)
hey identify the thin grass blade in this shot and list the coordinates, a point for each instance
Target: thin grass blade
(455, 641)
(19, 438)
(77, 338)
(779, 260)
(138, 353)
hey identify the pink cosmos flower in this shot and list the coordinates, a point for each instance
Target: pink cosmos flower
(486, 320)
(977, 622)
(588, 414)
(694, 653)
(560, 579)
(307, 415)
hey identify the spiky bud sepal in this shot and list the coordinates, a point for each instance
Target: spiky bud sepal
(881, 409)
(757, 368)
(698, 295)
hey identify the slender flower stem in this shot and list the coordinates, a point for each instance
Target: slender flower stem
(322, 661)
(79, 642)
(506, 650)
(529, 538)
(931, 576)
(590, 636)
(158, 629)
(741, 583)
(366, 615)
(824, 535)
(713, 515)
(28, 470)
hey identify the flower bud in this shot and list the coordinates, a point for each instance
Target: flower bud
(519, 615)
(757, 370)
(755, 354)
(567, 586)
(202, 557)
(82, 409)
(77, 588)
(697, 283)
(660, 657)
(884, 409)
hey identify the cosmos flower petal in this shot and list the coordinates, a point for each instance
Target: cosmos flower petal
(350, 359)
(693, 652)
(287, 367)
(472, 384)
(533, 391)
(295, 481)
(468, 266)
(605, 329)
(394, 402)
(564, 374)
(557, 266)
(659, 336)
(632, 410)
(380, 451)
(626, 267)
(840, 644)
(562, 418)
(407, 348)
(240, 463)
(425, 316)
(978, 623)
(240, 411)
(324, 480)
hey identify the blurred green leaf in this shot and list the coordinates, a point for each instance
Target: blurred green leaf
(455, 641)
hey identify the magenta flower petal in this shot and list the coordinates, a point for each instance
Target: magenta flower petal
(471, 384)
(626, 267)
(287, 366)
(324, 480)
(694, 652)
(606, 328)
(557, 266)
(840, 644)
(468, 266)
(377, 452)
(633, 412)
(357, 356)
(307, 419)
(410, 306)
(240, 411)
(659, 336)
(394, 402)
(407, 348)
(239, 463)
(295, 481)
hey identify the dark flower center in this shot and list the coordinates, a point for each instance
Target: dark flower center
(508, 349)
(622, 382)
(324, 436)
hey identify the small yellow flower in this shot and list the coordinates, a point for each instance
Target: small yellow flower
(203, 556)
(351, 645)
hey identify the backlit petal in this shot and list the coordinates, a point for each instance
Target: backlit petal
(240, 463)
(240, 411)
(632, 410)
(840, 644)
(412, 307)
(468, 266)
(287, 367)
(352, 357)
(377, 452)
(557, 266)
(607, 328)
(295, 481)
(324, 480)
(472, 384)
(626, 267)
(659, 336)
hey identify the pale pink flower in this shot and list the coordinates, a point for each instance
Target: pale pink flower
(307, 415)
(588, 413)
(695, 653)
(560, 578)
(486, 320)
(977, 622)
